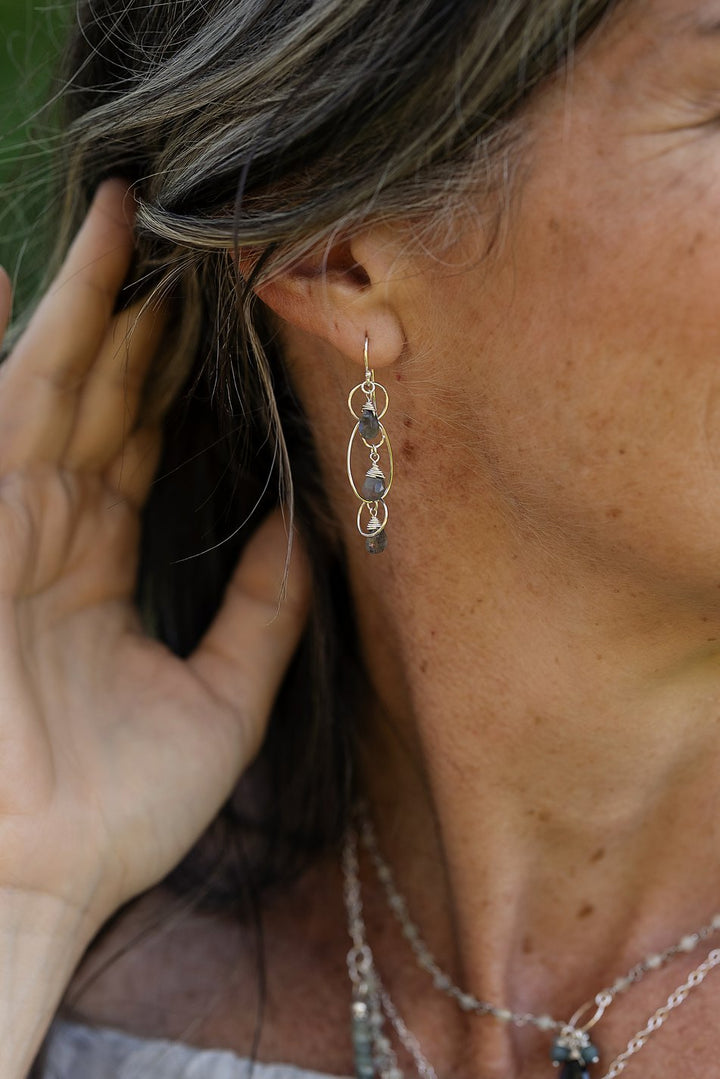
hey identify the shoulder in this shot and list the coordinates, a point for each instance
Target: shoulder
(278, 992)
(156, 970)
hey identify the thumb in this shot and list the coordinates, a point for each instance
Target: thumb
(244, 654)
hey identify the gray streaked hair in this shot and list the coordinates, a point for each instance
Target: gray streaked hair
(276, 125)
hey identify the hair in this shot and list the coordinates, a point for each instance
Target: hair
(273, 126)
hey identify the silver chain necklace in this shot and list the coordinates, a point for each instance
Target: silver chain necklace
(571, 1047)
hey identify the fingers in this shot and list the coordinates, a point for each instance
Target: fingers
(131, 474)
(86, 430)
(66, 331)
(111, 398)
(245, 653)
(40, 379)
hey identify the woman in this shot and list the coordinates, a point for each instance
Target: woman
(507, 216)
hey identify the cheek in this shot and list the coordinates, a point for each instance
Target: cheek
(615, 271)
(589, 370)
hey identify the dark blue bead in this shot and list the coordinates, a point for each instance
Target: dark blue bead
(574, 1069)
(590, 1054)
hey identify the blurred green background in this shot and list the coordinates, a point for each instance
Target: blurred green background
(31, 36)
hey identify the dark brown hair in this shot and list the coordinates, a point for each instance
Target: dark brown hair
(279, 124)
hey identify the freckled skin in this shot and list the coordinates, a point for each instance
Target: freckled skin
(579, 363)
(565, 392)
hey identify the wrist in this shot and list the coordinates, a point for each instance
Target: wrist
(42, 939)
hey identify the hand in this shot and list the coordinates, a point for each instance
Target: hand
(114, 754)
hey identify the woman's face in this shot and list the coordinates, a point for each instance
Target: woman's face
(573, 376)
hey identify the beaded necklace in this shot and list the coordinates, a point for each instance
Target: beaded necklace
(572, 1049)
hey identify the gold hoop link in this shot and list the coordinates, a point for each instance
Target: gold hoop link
(385, 441)
(383, 519)
(373, 436)
(369, 395)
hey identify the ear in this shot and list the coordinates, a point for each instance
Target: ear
(340, 294)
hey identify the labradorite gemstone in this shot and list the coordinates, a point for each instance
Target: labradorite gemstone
(376, 543)
(369, 425)
(373, 487)
(574, 1069)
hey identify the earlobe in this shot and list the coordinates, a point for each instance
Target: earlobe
(339, 298)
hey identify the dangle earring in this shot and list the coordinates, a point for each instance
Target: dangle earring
(377, 482)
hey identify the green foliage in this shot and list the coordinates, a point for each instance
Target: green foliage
(31, 35)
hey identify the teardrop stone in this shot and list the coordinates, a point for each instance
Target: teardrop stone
(374, 486)
(376, 543)
(574, 1069)
(368, 424)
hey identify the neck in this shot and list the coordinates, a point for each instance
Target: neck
(550, 755)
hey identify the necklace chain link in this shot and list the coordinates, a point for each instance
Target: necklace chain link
(371, 999)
